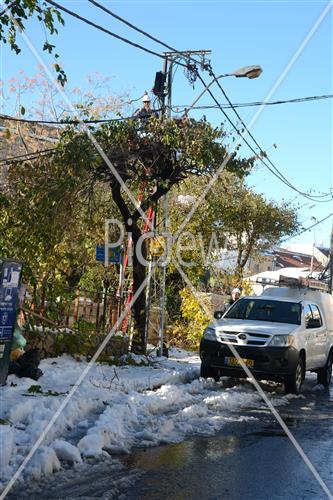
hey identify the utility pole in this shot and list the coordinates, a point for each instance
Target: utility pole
(330, 282)
(170, 57)
(313, 246)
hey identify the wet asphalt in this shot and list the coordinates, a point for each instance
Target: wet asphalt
(251, 458)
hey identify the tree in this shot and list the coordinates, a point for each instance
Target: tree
(151, 160)
(231, 216)
(13, 17)
(252, 223)
(52, 218)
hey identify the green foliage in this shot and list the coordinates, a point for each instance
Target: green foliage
(52, 219)
(162, 156)
(4, 421)
(14, 15)
(129, 360)
(231, 216)
(57, 238)
(188, 331)
(36, 389)
(80, 343)
(252, 223)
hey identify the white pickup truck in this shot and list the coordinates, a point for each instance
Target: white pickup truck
(280, 335)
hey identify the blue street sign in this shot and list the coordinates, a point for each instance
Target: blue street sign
(114, 254)
(10, 280)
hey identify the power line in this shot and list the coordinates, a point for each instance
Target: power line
(28, 156)
(274, 170)
(108, 32)
(255, 103)
(276, 174)
(45, 152)
(174, 109)
(308, 228)
(72, 122)
(139, 30)
(145, 33)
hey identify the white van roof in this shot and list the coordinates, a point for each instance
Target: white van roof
(296, 294)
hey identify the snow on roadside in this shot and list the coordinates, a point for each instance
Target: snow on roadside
(28, 406)
(167, 415)
(115, 409)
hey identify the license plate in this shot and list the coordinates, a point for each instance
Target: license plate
(231, 361)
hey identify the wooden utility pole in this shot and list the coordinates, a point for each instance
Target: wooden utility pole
(170, 58)
(330, 282)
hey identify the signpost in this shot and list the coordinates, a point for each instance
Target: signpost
(10, 279)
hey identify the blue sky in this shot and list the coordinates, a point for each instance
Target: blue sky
(238, 33)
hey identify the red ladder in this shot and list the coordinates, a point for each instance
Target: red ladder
(129, 292)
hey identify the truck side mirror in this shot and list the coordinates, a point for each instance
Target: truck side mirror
(218, 314)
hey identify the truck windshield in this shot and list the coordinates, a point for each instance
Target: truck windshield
(266, 310)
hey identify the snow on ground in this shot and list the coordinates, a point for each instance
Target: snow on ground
(113, 410)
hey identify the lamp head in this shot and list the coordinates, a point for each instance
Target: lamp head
(248, 72)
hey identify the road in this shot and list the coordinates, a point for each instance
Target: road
(250, 458)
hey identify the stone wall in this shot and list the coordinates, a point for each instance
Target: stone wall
(53, 343)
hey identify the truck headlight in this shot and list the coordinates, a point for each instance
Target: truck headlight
(281, 341)
(209, 334)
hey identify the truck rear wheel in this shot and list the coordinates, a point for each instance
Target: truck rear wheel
(293, 383)
(324, 375)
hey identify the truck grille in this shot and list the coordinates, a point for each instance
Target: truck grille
(250, 339)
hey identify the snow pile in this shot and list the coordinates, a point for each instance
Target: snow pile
(166, 415)
(44, 462)
(27, 407)
(113, 410)
(66, 451)
(6, 445)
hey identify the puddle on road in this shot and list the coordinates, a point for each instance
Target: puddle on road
(175, 455)
(269, 433)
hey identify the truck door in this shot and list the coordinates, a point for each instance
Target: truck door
(310, 338)
(321, 336)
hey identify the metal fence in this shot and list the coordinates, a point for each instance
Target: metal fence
(74, 308)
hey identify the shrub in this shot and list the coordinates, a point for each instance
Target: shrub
(188, 330)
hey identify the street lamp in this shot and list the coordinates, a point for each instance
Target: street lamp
(246, 72)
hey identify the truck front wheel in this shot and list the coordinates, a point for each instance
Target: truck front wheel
(293, 383)
(208, 372)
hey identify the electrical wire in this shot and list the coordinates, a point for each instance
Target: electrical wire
(308, 228)
(97, 26)
(121, 38)
(45, 152)
(70, 122)
(276, 174)
(28, 156)
(121, 19)
(255, 103)
(145, 33)
(174, 108)
(273, 169)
